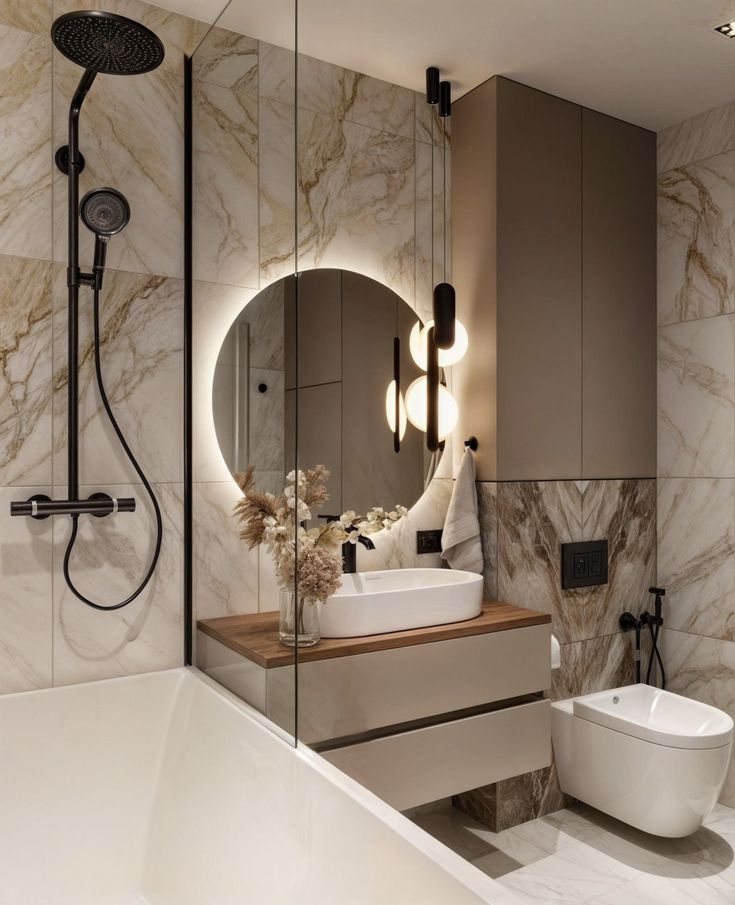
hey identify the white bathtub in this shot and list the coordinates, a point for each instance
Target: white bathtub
(164, 789)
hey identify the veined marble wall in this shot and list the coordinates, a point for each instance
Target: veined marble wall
(523, 527)
(696, 402)
(132, 139)
(369, 179)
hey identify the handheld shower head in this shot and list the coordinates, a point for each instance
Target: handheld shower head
(105, 211)
(107, 43)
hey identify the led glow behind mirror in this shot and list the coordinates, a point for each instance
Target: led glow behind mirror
(447, 357)
(416, 407)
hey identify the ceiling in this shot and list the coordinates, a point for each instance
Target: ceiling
(650, 62)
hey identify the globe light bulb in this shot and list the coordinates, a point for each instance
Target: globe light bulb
(418, 341)
(390, 410)
(416, 407)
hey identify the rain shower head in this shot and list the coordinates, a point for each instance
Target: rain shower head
(107, 43)
(105, 211)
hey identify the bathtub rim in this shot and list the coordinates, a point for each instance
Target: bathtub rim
(474, 880)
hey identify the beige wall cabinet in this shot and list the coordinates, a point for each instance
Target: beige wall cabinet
(554, 219)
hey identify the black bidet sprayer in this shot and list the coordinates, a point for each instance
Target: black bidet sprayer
(628, 622)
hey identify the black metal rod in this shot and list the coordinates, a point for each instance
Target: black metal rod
(397, 395)
(445, 99)
(188, 351)
(444, 315)
(73, 282)
(43, 508)
(432, 85)
(432, 394)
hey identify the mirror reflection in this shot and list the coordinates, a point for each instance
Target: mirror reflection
(328, 337)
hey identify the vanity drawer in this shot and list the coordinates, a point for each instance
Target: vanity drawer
(352, 695)
(423, 765)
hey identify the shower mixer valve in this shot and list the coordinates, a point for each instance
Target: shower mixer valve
(39, 506)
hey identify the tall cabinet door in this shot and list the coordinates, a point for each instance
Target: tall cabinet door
(618, 298)
(538, 284)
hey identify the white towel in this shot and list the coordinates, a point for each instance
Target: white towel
(461, 546)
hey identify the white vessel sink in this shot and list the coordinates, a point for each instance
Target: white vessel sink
(372, 603)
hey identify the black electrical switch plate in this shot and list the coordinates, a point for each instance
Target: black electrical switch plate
(429, 541)
(583, 564)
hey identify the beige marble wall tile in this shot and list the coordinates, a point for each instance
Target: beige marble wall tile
(424, 250)
(534, 519)
(277, 187)
(334, 91)
(356, 201)
(132, 138)
(225, 572)
(696, 554)
(25, 598)
(225, 185)
(25, 371)
(696, 398)
(227, 59)
(430, 127)
(487, 510)
(25, 137)
(624, 512)
(30, 15)
(109, 560)
(703, 669)
(141, 321)
(277, 73)
(180, 34)
(696, 240)
(710, 133)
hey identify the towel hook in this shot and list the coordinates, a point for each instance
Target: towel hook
(471, 443)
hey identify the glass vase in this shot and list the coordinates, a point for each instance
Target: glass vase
(298, 624)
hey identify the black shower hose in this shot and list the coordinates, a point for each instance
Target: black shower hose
(654, 651)
(141, 475)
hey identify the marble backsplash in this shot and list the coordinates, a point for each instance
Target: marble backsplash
(696, 431)
(523, 526)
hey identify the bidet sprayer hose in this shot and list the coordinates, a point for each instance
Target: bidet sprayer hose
(133, 461)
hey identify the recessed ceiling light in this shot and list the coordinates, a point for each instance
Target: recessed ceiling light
(728, 29)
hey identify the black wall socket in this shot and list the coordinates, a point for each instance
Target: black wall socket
(583, 564)
(429, 541)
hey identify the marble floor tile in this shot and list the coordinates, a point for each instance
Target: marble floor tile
(180, 34)
(141, 321)
(25, 371)
(705, 135)
(25, 137)
(227, 59)
(225, 572)
(225, 179)
(696, 240)
(110, 558)
(25, 598)
(30, 15)
(356, 201)
(696, 398)
(696, 554)
(647, 890)
(132, 138)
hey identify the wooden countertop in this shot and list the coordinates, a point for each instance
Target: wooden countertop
(255, 636)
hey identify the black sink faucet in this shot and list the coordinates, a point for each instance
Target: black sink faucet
(349, 550)
(349, 553)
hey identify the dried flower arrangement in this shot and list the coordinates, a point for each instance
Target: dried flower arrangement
(276, 522)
